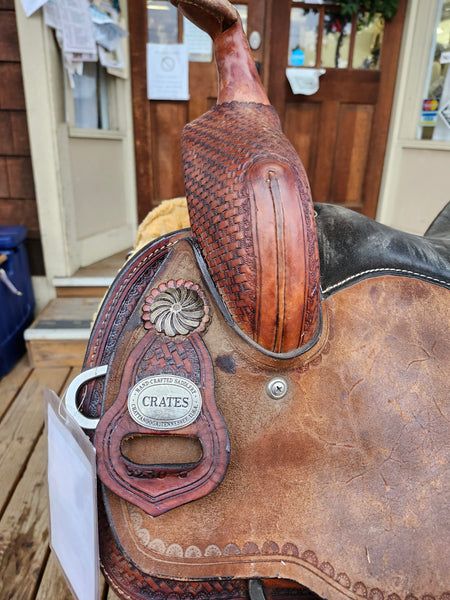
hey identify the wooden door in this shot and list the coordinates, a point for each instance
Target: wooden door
(340, 132)
(158, 124)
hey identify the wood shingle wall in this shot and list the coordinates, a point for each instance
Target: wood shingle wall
(17, 194)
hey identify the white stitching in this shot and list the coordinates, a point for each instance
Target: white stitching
(387, 270)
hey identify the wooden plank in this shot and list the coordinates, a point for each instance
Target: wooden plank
(6, 4)
(390, 52)
(54, 585)
(24, 530)
(11, 91)
(56, 353)
(21, 141)
(19, 212)
(20, 176)
(14, 139)
(320, 177)
(6, 136)
(168, 119)
(21, 427)
(4, 184)
(109, 266)
(81, 291)
(64, 309)
(9, 42)
(301, 125)
(352, 148)
(137, 23)
(12, 383)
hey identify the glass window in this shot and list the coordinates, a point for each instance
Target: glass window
(368, 41)
(435, 115)
(303, 37)
(162, 22)
(337, 30)
(243, 13)
(94, 98)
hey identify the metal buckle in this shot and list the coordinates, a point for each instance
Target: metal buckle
(72, 392)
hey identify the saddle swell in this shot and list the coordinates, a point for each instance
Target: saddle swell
(250, 203)
(252, 216)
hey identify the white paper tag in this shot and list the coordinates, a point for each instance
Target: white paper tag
(72, 485)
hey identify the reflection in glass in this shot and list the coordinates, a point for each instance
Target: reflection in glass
(435, 120)
(243, 13)
(368, 41)
(336, 40)
(303, 37)
(162, 22)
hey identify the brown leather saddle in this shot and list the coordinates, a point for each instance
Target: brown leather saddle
(270, 394)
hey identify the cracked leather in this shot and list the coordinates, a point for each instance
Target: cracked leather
(340, 486)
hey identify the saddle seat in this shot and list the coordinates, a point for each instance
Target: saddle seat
(274, 399)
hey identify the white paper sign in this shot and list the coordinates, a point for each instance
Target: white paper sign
(72, 497)
(167, 72)
(304, 81)
(31, 6)
(109, 35)
(51, 14)
(77, 26)
(445, 57)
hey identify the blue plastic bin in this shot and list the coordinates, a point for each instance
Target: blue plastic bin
(16, 312)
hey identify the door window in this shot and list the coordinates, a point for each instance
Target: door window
(162, 19)
(165, 27)
(320, 36)
(435, 114)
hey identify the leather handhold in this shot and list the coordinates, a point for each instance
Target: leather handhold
(249, 200)
(157, 488)
(252, 215)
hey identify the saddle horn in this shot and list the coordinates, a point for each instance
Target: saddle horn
(249, 199)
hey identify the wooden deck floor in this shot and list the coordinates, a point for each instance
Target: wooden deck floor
(28, 569)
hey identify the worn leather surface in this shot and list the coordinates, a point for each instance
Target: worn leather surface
(343, 484)
(252, 215)
(353, 247)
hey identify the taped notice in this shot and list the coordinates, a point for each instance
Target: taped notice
(167, 72)
(77, 27)
(304, 81)
(72, 486)
(31, 6)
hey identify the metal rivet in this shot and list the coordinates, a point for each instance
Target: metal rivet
(277, 388)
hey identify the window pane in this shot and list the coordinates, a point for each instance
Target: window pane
(435, 119)
(243, 13)
(162, 22)
(369, 37)
(336, 40)
(85, 97)
(303, 37)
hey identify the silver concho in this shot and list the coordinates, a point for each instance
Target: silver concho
(176, 308)
(165, 402)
